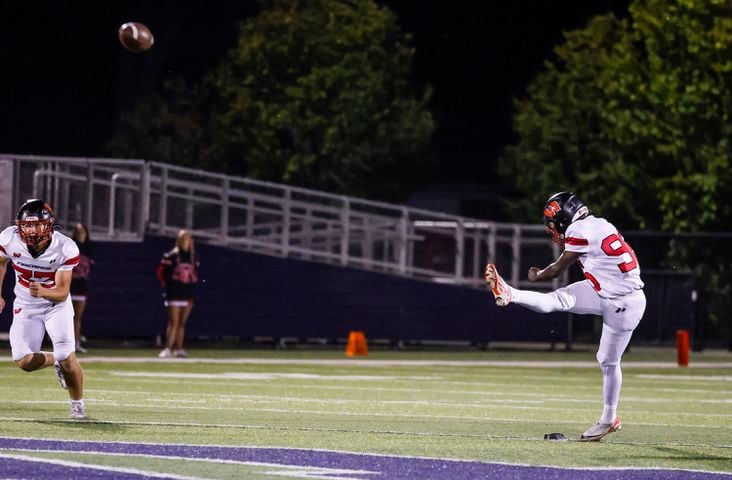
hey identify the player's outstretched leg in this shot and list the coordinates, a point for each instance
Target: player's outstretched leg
(498, 286)
(600, 430)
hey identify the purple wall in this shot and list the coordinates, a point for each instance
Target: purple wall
(246, 295)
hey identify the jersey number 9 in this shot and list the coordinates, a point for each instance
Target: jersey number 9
(614, 245)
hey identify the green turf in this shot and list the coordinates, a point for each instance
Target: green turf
(673, 418)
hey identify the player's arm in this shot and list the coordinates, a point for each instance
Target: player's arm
(3, 267)
(555, 269)
(57, 294)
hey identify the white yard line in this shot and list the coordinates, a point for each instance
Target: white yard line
(393, 363)
(272, 376)
(207, 405)
(439, 388)
(439, 382)
(686, 378)
(198, 403)
(159, 407)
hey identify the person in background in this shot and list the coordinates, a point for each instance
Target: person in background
(80, 279)
(178, 274)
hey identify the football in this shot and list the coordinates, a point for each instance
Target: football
(135, 37)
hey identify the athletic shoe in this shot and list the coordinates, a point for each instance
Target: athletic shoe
(60, 375)
(180, 353)
(79, 348)
(166, 353)
(77, 411)
(599, 430)
(498, 286)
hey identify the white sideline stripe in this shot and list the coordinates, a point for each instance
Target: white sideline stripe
(555, 398)
(310, 376)
(392, 363)
(159, 407)
(383, 455)
(338, 401)
(692, 378)
(505, 398)
(683, 391)
(204, 405)
(293, 470)
(178, 396)
(301, 376)
(287, 428)
(267, 376)
(66, 463)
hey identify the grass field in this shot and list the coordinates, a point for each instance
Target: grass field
(473, 405)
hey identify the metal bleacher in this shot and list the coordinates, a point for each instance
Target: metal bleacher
(124, 200)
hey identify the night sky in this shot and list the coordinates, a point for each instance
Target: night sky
(65, 78)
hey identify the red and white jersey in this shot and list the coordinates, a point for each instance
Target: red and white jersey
(607, 260)
(61, 254)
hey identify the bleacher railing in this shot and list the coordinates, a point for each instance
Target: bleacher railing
(122, 200)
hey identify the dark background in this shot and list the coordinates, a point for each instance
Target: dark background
(65, 78)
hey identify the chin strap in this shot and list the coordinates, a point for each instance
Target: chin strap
(556, 236)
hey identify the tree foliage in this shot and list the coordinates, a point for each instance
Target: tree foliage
(635, 115)
(318, 93)
(170, 127)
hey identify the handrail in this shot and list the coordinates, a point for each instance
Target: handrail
(45, 172)
(77, 160)
(279, 219)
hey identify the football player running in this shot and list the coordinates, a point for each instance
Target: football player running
(43, 261)
(612, 288)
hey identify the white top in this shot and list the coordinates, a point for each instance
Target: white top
(61, 254)
(608, 262)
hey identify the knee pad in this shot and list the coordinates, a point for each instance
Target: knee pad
(564, 299)
(62, 350)
(605, 359)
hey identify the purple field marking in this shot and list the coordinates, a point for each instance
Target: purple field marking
(387, 467)
(12, 468)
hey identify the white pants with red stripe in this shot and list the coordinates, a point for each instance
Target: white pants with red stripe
(31, 322)
(620, 316)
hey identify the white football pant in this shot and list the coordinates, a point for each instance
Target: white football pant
(31, 322)
(620, 316)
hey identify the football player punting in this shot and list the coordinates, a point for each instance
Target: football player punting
(612, 288)
(43, 261)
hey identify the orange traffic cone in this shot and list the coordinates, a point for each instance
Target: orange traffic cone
(356, 344)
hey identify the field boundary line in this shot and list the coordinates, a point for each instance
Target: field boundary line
(391, 363)
(383, 455)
